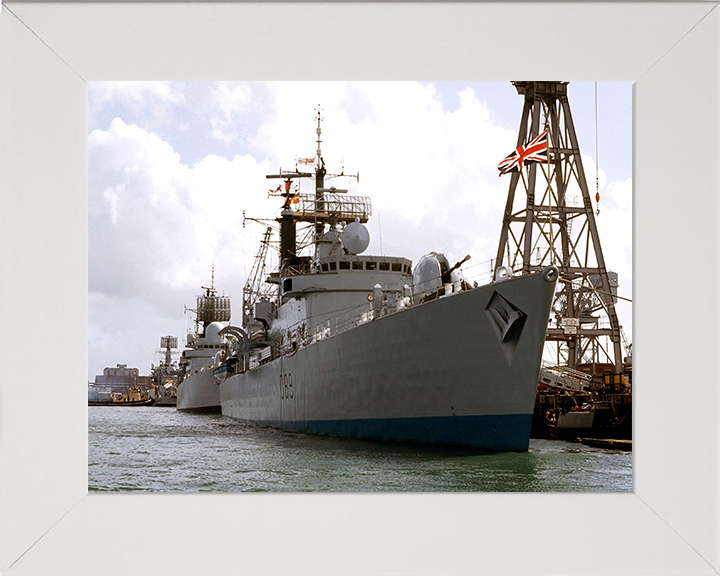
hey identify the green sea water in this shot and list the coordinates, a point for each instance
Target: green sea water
(154, 449)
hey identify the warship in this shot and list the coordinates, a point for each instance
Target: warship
(164, 376)
(197, 389)
(341, 343)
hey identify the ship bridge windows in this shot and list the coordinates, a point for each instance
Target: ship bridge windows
(377, 264)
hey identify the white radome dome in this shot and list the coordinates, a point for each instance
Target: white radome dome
(355, 237)
(211, 333)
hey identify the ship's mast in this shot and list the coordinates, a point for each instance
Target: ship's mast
(326, 206)
(552, 227)
(211, 307)
(168, 342)
(319, 180)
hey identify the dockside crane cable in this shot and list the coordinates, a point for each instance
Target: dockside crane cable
(597, 154)
(592, 289)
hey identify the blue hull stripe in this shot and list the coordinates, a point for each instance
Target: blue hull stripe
(501, 432)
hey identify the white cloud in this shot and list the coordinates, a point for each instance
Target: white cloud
(157, 227)
(231, 100)
(157, 223)
(133, 93)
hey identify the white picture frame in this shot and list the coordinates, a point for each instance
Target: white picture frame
(670, 524)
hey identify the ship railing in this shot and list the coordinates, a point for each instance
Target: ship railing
(341, 323)
(393, 301)
(470, 276)
(298, 335)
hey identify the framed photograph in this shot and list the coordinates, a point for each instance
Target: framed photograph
(48, 54)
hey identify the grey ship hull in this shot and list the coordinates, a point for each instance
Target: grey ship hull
(199, 393)
(459, 370)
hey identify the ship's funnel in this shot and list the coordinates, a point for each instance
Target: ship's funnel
(287, 236)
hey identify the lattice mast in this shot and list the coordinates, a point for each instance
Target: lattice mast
(325, 206)
(550, 226)
(211, 307)
(168, 343)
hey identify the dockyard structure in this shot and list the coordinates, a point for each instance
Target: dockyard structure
(118, 380)
(549, 218)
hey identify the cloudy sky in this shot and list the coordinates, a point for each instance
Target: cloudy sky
(174, 165)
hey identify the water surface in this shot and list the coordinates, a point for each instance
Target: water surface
(153, 449)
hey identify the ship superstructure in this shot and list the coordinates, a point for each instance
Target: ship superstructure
(205, 350)
(164, 377)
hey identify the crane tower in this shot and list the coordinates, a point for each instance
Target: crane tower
(553, 223)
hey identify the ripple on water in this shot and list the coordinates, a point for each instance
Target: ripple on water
(163, 450)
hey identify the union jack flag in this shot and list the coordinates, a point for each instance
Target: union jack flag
(307, 161)
(535, 151)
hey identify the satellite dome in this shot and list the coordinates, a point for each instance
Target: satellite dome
(427, 275)
(355, 237)
(211, 333)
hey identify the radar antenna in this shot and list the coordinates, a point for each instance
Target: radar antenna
(168, 343)
(210, 308)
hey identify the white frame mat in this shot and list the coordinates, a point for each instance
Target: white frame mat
(49, 524)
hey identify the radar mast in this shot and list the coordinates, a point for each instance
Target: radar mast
(326, 206)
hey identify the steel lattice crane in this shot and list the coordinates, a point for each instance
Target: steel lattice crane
(256, 288)
(553, 223)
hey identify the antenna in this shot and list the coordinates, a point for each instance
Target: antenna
(168, 342)
(319, 130)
